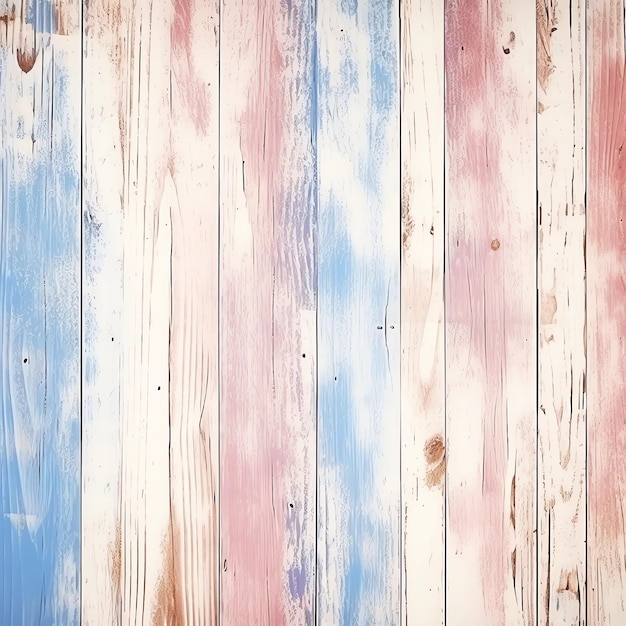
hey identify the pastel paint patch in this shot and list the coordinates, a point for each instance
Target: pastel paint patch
(267, 315)
(40, 363)
(358, 428)
(606, 251)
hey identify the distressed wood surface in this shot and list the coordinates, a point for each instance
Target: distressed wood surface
(562, 433)
(40, 313)
(358, 314)
(423, 457)
(490, 312)
(125, 513)
(267, 314)
(606, 275)
(291, 414)
(150, 314)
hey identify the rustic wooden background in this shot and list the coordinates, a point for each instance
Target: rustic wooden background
(312, 312)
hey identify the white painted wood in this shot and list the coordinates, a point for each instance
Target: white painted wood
(127, 239)
(193, 578)
(423, 449)
(561, 127)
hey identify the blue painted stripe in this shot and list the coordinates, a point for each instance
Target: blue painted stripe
(358, 314)
(40, 354)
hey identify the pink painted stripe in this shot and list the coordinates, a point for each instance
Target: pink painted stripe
(490, 320)
(606, 279)
(474, 262)
(267, 419)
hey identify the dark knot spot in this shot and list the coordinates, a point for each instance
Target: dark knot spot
(26, 60)
(434, 449)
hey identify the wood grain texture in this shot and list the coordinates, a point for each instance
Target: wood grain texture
(422, 312)
(40, 313)
(291, 414)
(192, 583)
(490, 312)
(150, 313)
(606, 276)
(267, 313)
(127, 300)
(358, 314)
(102, 217)
(562, 498)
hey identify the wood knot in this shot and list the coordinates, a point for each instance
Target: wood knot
(434, 449)
(435, 455)
(568, 581)
(507, 49)
(26, 60)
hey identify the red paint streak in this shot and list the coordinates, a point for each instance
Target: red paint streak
(186, 27)
(479, 297)
(606, 247)
(182, 24)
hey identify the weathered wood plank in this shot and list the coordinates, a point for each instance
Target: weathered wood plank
(490, 312)
(193, 352)
(102, 316)
(422, 312)
(40, 313)
(267, 313)
(358, 314)
(606, 276)
(150, 313)
(126, 309)
(562, 498)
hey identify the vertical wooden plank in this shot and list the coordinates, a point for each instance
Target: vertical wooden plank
(150, 313)
(606, 276)
(358, 314)
(126, 238)
(422, 312)
(189, 590)
(40, 312)
(562, 498)
(103, 258)
(267, 315)
(102, 316)
(490, 312)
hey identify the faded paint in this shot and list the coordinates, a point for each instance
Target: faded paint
(423, 453)
(358, 314)
(561, 462)
(193, 343)
(490, 311)
(268, 356)
(40, 317)
(606, 279)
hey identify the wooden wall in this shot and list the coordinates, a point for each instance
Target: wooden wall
(312, 312)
